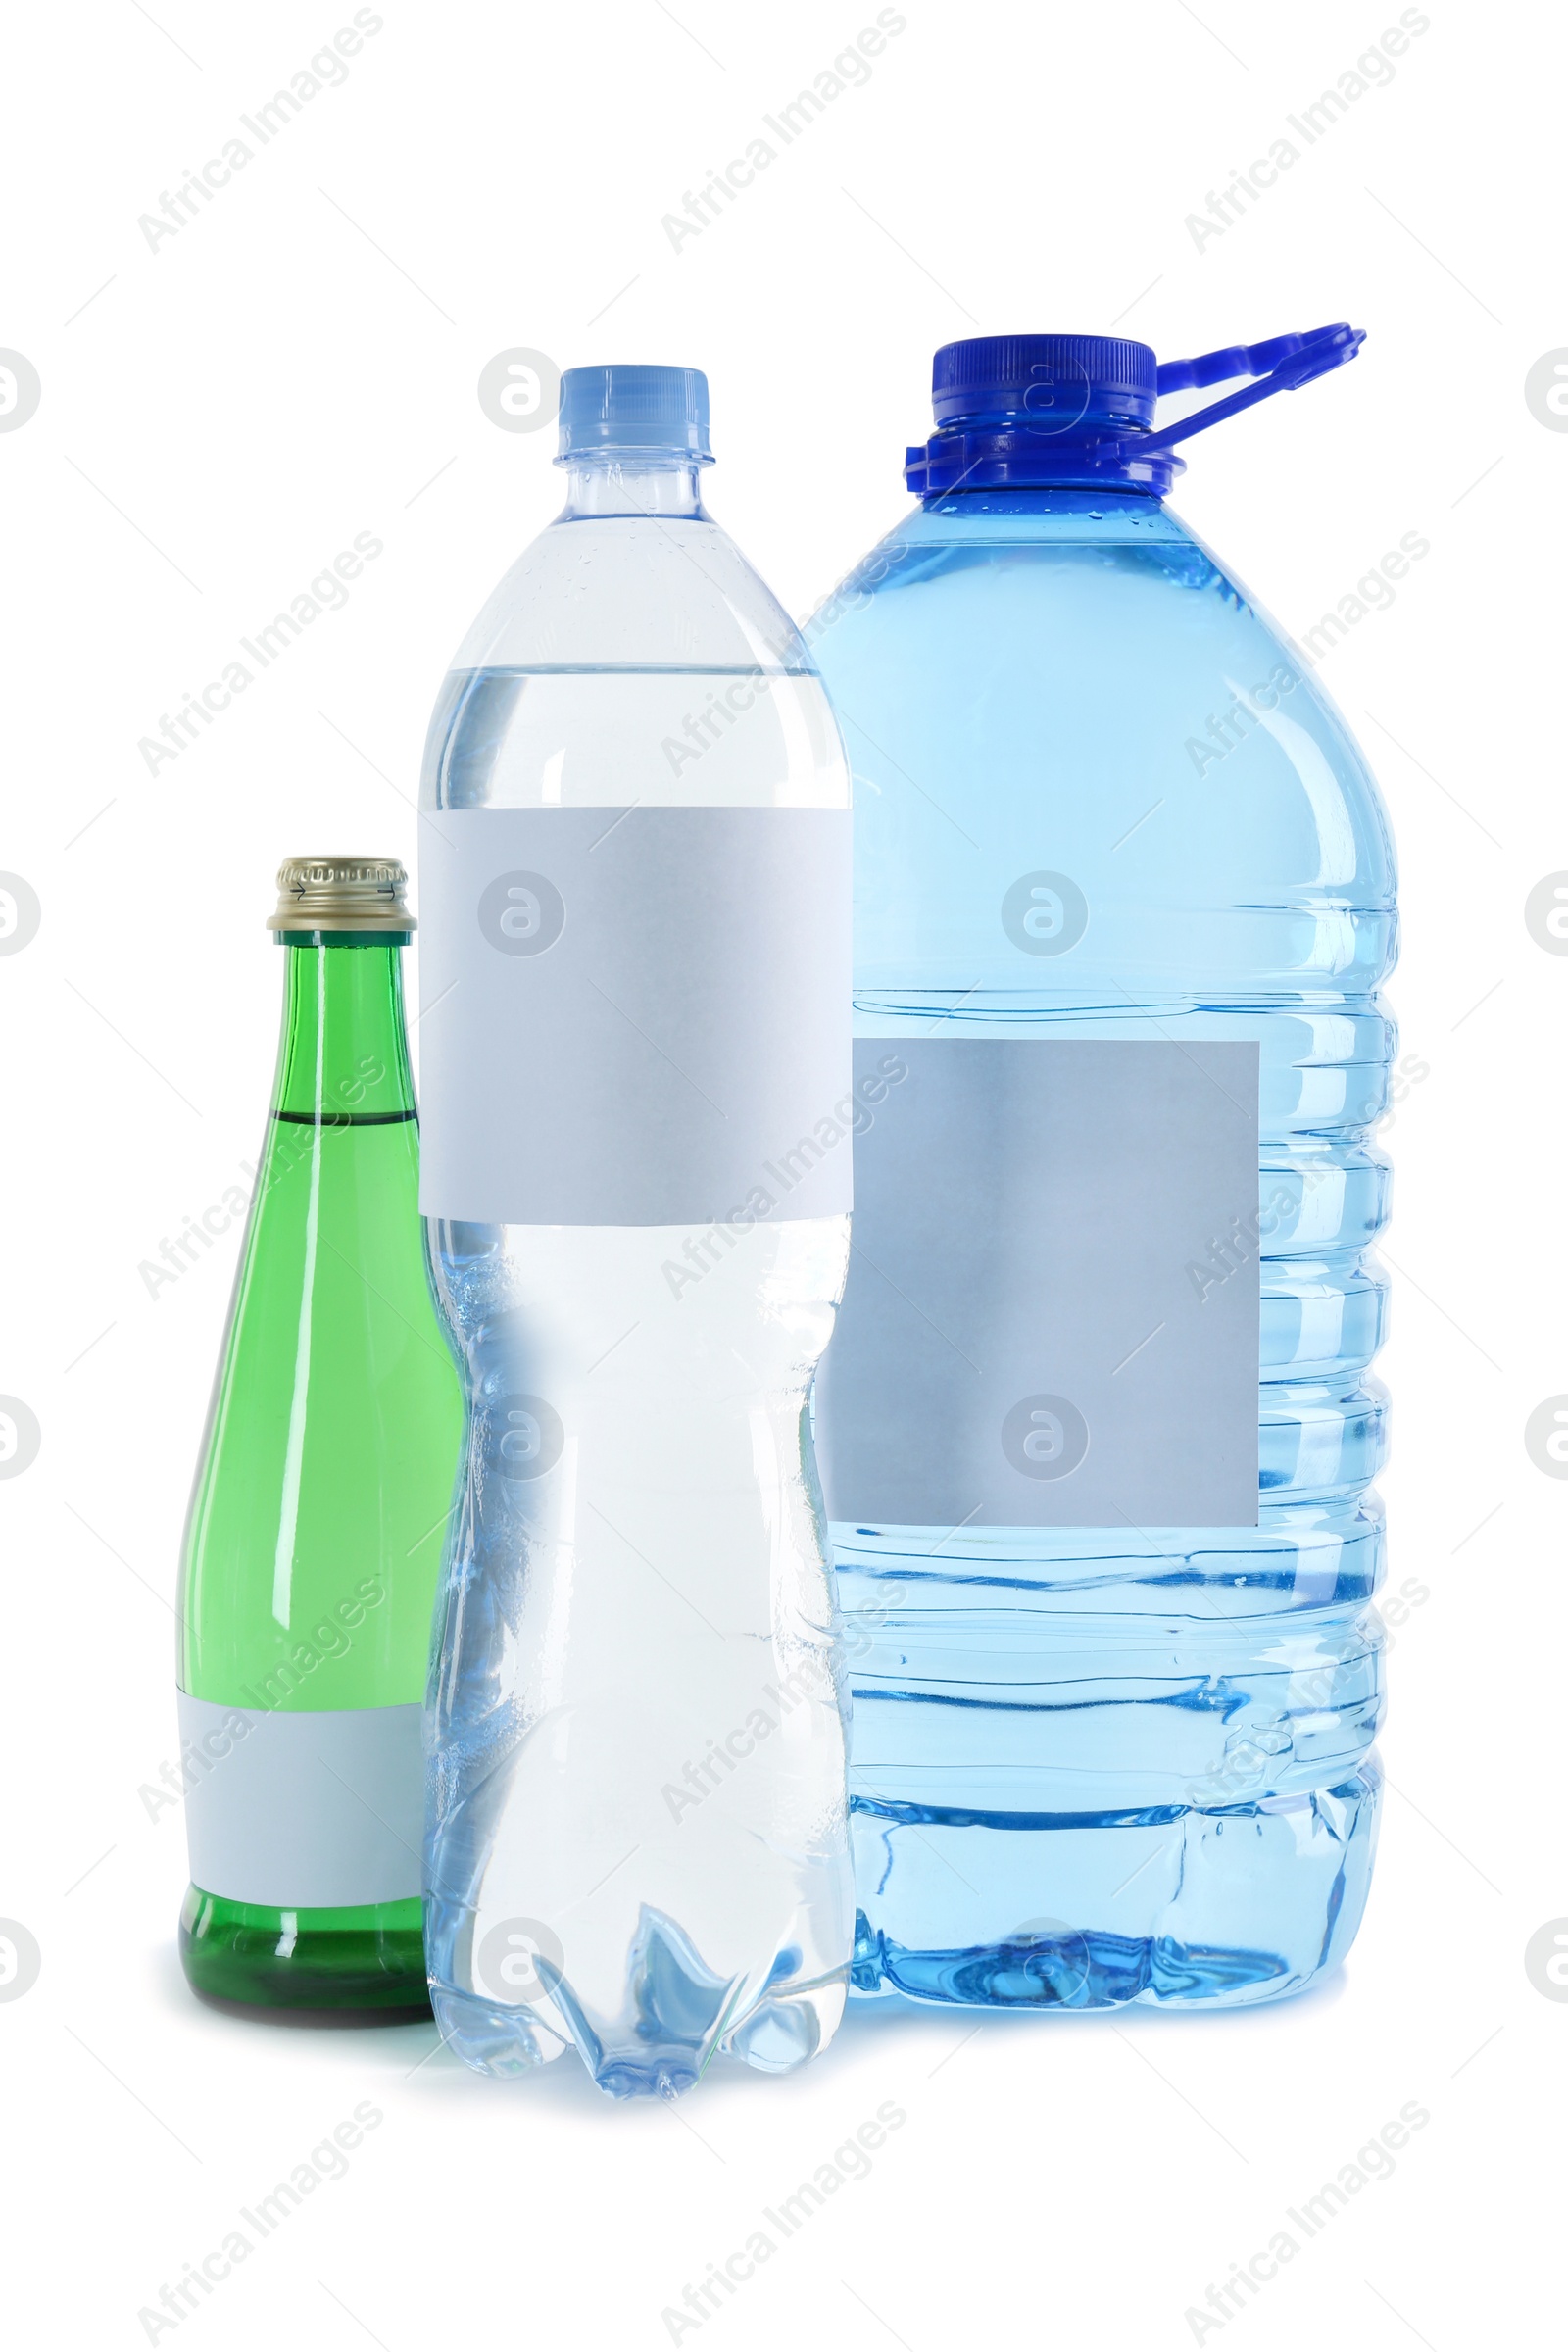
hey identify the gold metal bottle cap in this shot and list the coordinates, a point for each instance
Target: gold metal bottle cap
(341, 894)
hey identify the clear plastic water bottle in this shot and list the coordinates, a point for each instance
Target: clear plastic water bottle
(1124, 896)
(635, 1059)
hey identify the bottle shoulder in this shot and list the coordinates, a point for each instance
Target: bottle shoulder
(331, 1290)
(632, 592)
(1020, 617)
(1106, 713)
(633, 660)
(331, 1440)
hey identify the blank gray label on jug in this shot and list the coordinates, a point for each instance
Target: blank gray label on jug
(1051, 1319)
(303, 1811)
(634, 1016)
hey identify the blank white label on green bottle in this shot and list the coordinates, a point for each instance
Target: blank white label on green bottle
(314, 1811)
(1051, 1314)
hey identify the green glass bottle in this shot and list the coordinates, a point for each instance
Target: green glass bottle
(315, 1526)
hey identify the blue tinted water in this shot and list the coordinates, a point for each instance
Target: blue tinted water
(1093, 1766)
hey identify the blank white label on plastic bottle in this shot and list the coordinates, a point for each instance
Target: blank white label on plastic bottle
(1051, 1314)
(634, 1016)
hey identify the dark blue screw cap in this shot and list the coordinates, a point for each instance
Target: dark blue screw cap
(1060, 380)
(1025, 411)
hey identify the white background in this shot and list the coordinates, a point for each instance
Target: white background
(219, 416)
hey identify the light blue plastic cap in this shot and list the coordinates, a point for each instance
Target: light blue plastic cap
(656, 412)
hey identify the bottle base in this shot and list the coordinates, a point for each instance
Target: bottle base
(1078, 1971)
(359, 1964)
(647, 2057)
(1178, 1908)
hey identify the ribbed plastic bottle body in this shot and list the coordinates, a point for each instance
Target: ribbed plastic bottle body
(1093, 1765)
(636, 1837)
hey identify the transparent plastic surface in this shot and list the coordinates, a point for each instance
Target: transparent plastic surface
(637, 1841)
(1094, 1766)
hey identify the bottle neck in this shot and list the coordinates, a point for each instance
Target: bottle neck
(621, 483)
(1045, 499)
(344, 1056)
(1017, 454)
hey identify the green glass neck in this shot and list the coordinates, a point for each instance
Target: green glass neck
(344, 1056)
